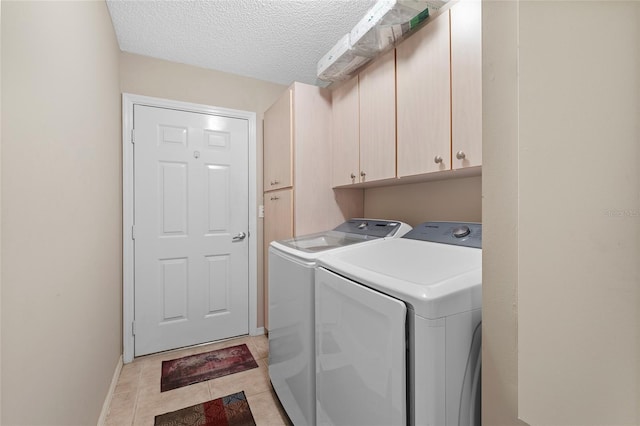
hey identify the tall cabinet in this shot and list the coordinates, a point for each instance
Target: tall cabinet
(298, 194)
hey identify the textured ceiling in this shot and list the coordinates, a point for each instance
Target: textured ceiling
(274, 40)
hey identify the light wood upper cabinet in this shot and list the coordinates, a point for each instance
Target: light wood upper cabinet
(418, 112)
(346, 133)
(278, 143)
(377, 92)
(424, 101)
(466, 84)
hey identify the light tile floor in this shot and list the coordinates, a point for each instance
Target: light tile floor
(137, 398)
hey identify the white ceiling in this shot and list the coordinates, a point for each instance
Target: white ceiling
(274, 40)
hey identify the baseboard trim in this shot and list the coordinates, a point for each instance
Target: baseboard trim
(107, 401)
(258, 331)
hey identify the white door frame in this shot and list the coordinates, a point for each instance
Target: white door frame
(128, 101)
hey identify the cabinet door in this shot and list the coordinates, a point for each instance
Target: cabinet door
(424, 102)
(378, 119)
(278, 225)
(278, 142)
(346, 150)
(466, 84)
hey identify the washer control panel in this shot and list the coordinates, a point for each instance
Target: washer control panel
(370, 227)
(467, 234)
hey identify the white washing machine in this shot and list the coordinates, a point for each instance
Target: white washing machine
(291, 308)
(398, 329)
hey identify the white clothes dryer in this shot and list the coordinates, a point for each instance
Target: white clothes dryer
(398, 329)
(291, 307)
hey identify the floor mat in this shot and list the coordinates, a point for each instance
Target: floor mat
(206, 366)
(231, 410)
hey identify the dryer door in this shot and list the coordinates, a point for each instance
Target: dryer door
(470, 399)
(360, 354)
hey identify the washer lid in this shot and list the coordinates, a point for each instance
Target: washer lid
(435, 279)
(350, 232)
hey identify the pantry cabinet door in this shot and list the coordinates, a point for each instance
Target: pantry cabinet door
(278, 143)
(424, 102)
(378, 119)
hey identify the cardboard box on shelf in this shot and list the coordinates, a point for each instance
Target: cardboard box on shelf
(384, 24)
(340, 62)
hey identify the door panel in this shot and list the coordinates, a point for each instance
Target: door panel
(172, 200)
(191, 199)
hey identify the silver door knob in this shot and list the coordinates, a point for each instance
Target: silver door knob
(363, 174)
(241, 236)
(353, 176)
(274, 198)
(437, 159)
(274, 182)
(460, 155)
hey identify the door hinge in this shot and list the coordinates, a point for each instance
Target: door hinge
(133, 328)
(133, 135)
(133, 232)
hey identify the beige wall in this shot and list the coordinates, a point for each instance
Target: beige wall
(561, 210)
(61, 212)
(454, 199)
(142, 75)
(499, 214)
(0, 217)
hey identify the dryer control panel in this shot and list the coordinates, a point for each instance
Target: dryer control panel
(466, 234)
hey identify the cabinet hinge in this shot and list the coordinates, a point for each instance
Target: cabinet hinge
(133, 135)
(133, 328)
(133, 232)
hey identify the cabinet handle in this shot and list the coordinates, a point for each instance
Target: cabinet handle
(363, 174)
(274, 182)
(274, 198)
(460, 155)
(437, 159)
(353, 176)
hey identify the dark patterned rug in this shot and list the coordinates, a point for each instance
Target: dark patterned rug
(210, 365)
(230, 410)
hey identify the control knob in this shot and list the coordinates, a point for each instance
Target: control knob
(461, 231)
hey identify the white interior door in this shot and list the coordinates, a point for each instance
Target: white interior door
(190, 221)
